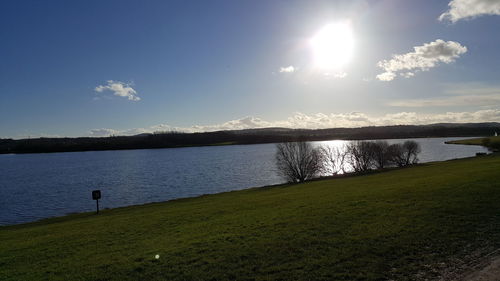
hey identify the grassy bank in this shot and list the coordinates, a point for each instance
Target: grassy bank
(477, 141)
(404, 224)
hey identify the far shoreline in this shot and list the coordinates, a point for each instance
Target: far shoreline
(245, 144)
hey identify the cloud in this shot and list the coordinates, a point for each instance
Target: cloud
(336, 75)
(423, 58)
(408, 74)
(119, 89)
(323, 121)
(465, 100)
(103, 132)
(288, 69)
(461, 94)
(468, 9)
(386, 76)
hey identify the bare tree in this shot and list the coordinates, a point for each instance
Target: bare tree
(297, 161)
(395, 155)
(343, 153)
(333, 160)
(381, 154)
(360, 155)
(411, 150)
(404, 154)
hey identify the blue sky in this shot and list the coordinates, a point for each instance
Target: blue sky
(94, 68)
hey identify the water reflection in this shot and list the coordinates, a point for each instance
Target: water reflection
(432, 149)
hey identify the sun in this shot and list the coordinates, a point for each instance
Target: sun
(332, 46)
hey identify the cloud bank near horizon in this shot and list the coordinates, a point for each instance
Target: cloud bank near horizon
(320, 121)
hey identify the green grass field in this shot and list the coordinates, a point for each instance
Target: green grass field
(475, 141)
(405, 224)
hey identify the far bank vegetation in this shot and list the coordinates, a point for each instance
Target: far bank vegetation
(301, 161)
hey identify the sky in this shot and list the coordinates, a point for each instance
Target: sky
(99, 68)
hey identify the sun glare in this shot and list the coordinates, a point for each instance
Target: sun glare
(332, 46)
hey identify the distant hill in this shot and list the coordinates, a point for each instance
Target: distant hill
(246, 136)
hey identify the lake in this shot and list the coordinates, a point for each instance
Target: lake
(36, 186)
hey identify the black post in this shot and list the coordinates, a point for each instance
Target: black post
(96, 195)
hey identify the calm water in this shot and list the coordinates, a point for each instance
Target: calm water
(35, 186)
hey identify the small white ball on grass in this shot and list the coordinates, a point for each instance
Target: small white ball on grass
(157, 256)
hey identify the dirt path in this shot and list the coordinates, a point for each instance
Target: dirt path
(482, 264)
(490, 272)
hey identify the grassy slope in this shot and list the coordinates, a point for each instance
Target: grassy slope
(387, 225)
(475, 141)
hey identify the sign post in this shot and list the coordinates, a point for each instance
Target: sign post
(96, 195)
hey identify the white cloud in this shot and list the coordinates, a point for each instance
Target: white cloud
(468, 9)
(408, 74)
(336, 75)
(119, 89)
(103, 132)
(323, 121)
(288, 69)
(386, 76)
(422, 58)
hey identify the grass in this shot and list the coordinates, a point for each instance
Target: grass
(475, 141)
(401, 225)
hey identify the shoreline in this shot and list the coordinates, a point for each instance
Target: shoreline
(278, 185)
(48, 145)
(237, 144)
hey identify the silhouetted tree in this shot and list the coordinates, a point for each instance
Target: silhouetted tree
(404, 154)
(395, 155)
(297, 161)
(333, 160)
(360, 155)
(411, 150)
(381, 154)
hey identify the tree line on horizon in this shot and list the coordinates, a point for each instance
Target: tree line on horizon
(249, 136)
